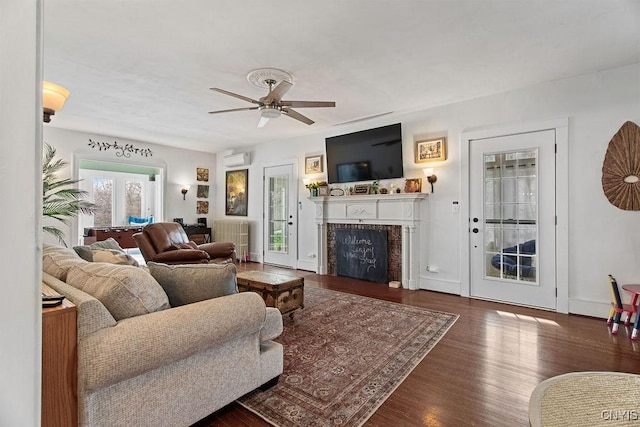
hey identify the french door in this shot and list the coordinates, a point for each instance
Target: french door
(280, 235)
(512, 218)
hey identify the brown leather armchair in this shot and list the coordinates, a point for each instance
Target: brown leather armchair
(166, 242)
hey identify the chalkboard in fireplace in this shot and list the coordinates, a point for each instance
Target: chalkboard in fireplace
(362, 254)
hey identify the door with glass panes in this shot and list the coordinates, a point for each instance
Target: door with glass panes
(512, 218)
(280, 233)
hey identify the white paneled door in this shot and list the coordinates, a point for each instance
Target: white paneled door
(280, 235)
(512, 218)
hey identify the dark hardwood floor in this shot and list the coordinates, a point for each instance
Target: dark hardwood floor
(484, 369)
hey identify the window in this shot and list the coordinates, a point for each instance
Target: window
(102, 190)
(120, 193)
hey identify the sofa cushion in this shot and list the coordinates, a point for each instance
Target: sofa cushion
(113, 257)
(57, 260)
(85, 252)
(189, 283)
(125, 291)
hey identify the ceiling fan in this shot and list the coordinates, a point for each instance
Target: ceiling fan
(272, 105)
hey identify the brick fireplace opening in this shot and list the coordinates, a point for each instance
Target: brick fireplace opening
(394, 247)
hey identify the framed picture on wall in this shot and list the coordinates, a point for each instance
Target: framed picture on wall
(203, 191)
(431, 150)
(236, 192)
(202, 174)
(313, 164)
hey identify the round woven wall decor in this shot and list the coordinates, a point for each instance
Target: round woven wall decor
(621, 168)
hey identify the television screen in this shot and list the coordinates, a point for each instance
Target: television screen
(367, 155)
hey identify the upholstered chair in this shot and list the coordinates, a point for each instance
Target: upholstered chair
(167, 243)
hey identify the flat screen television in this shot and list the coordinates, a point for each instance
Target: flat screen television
(367, 155)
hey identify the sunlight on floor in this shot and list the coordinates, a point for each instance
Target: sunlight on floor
(527, 318)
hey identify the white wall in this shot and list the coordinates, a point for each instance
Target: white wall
(180, 165)
(20, 187)
(602, 238)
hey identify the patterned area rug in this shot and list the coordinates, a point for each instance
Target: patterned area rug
(343, 356)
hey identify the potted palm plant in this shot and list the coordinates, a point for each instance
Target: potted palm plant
(61, 200)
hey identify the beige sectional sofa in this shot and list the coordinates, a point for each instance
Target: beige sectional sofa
(143, 362)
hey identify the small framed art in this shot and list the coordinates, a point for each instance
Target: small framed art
(431, 150)
(413, 185)
(313, 164)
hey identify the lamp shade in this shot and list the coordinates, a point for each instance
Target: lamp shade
(53, 96)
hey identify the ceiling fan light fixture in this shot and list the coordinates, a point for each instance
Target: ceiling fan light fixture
(270, 111)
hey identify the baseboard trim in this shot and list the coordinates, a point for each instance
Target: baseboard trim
(446, 286)
(589, 308)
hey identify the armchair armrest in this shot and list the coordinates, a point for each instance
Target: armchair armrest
(143, 343)
(183, 256)
(221, 250)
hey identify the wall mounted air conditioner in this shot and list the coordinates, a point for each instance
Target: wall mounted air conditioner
(239, 159)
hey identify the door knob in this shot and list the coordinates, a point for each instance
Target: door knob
(475, 219)
(475, 230)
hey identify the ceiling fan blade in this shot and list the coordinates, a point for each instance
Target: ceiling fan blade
(263, 121)
(307, 104)
(295, 115)
(233, 109)
(278, 92)
(235, 95)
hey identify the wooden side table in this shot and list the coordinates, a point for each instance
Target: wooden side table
(59, 364)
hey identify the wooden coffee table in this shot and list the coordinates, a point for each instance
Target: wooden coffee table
(286, 293)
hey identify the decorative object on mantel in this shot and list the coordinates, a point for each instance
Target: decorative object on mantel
(413, 185)
(121, 150)
(323, 190)
(374, 187)
(335, 191)
(621, 168)
(384, 191)
(318, 188)
(431, 150)
(361, 188)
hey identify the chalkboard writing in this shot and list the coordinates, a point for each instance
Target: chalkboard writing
(362, 254)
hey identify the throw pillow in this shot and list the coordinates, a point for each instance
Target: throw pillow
(113, 257)
(57, 260)
(125, 291)
(85, 251)
(189, 283)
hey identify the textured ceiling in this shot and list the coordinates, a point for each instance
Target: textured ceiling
(141, 69)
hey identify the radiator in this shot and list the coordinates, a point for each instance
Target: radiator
(233, 231)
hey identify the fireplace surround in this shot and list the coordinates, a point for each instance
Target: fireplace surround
(403, 210)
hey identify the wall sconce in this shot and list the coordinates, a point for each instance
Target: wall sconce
(53, 99)
(431, 177)
(184, 190)
(306, 182)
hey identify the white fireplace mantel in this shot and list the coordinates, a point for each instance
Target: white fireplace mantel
(380, 209)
